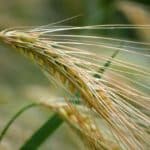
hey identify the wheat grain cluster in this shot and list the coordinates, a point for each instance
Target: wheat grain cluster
(110, 89)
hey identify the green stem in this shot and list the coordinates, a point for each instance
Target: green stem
(106, 65)
(14, 118)
(43, 133)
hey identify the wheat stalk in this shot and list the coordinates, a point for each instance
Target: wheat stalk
(66, 59)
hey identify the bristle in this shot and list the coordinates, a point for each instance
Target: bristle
(111, 87)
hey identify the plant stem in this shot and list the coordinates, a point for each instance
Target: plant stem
(14, 118)
(43, 133)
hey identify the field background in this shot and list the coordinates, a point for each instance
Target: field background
(22, 82)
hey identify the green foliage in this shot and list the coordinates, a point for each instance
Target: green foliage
(46, 130)
(25, 108)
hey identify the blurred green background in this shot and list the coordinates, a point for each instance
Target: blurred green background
(22, 82)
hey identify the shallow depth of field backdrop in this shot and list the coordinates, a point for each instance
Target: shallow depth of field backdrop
(22, 82)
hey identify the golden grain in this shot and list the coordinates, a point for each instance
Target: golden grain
(74, 67)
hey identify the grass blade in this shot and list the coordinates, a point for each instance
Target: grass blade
(43, 133)
(106, 65)
(14, 118)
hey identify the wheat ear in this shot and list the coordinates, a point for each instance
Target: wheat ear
(123, 107)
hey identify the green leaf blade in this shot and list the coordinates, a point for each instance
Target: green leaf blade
(46, 130)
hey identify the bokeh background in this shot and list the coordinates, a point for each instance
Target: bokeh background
(22, 82)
